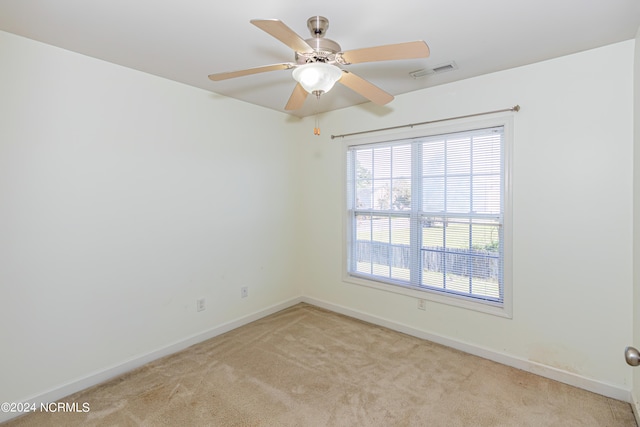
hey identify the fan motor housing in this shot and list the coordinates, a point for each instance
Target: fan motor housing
(324, 49)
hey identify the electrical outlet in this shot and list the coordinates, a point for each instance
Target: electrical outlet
(244, 291)
(200, 304)
(422, 304)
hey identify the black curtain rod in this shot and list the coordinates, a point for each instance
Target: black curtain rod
(515, 108)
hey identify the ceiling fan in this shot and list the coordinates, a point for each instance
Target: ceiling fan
(318, 60)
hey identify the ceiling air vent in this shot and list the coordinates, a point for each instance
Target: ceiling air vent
(450, 66)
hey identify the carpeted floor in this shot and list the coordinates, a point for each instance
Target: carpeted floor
(306, 366)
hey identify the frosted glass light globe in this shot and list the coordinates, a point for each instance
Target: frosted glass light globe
(317, 76)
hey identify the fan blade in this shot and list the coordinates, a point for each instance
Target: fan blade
(297, 98)
(409, 50)
(286, 35)
(365, 88)
(231, 74)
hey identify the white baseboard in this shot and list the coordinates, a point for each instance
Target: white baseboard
(101, 376)
(569, 378)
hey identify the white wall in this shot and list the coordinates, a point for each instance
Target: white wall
(123, 198)
(572, 216)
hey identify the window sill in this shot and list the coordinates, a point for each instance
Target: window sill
(452, 300)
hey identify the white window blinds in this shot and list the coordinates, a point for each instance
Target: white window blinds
(428, 213)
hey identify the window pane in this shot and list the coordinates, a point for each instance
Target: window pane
(364, 265)
(486, 194)
(458, 159)
(432, 232)
(364, 163)
(400, 231)
(459, 268)
(400, 273)
(401, 194)
(402, 161)
(458, 194)
(382, 194)
(363, 227)
(363, 171)
(432, 268)
(364, 198)
(383, 246)
(401, 249)
(486, 236)
(487, 267)
(433, 194)
(380, 229)
(457, 271)
(488, 286)
(382, 163)
(433, 158)
(457, 234)
(380, 260)
(486, 154)
(362, 246)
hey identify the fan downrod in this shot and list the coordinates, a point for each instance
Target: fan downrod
(318, 26)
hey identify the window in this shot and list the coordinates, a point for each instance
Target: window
(427, 214)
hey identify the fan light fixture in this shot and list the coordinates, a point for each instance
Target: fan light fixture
(317, 77)
(318, 62)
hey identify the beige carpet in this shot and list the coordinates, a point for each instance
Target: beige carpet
(305, 366)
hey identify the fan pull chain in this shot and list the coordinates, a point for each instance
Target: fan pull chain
(316, 129)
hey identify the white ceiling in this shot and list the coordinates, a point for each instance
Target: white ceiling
(187, 40)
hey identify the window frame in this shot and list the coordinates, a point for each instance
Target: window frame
(503, 309)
